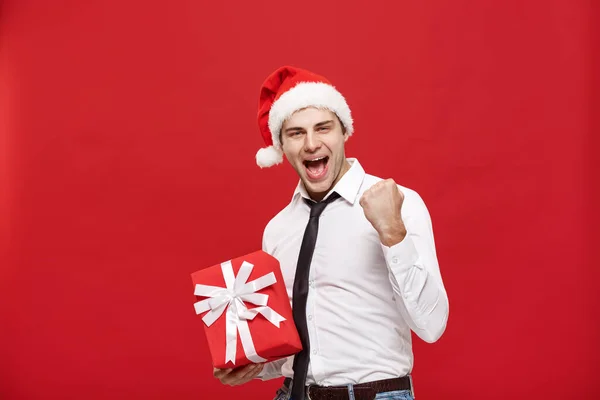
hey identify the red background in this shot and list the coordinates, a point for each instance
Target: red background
(127, 142)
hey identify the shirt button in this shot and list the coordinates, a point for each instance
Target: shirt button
(310, 317)
(311, 283)
(314, 352)
(395, 260)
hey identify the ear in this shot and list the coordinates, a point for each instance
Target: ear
(346, 137)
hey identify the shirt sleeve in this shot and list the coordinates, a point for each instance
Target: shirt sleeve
(272, 370)
(415, 273)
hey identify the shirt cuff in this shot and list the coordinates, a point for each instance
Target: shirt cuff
(271, 370)
(401, 257)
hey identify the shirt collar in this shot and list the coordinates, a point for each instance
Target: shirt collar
(347, 187)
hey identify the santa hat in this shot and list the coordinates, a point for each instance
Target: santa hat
(286, 91)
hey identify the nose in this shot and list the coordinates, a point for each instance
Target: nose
(311, 142)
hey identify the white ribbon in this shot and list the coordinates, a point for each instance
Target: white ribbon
(232, 298)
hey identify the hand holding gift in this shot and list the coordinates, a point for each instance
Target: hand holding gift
(238, 376)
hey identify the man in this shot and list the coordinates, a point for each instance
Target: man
(357, 254)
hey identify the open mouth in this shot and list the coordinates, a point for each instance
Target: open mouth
(316, 168)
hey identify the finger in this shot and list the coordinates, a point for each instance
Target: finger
(238, 376)
(256, 370)
(238, 372)
(220, 373)
(253, 368)
(251, 374)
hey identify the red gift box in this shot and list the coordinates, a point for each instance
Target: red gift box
(246, 311)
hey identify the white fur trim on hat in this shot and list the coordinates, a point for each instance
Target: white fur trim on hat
(308, 94)
(269, 156)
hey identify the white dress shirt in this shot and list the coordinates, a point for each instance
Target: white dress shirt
(364, 298)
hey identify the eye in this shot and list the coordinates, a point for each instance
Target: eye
(323, 129)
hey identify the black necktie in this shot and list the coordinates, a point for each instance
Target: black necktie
(300, 293)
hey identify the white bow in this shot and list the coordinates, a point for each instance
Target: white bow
(232, 298)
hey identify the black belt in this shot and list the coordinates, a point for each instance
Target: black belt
(362, 391)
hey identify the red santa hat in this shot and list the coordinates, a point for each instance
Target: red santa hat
(286, 91)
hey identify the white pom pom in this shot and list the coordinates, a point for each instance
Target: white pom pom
(268, 156)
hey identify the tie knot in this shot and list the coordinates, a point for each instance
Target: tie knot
(317, 208)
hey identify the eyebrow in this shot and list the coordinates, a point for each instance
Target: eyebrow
(323, 123)
(298, 128)
(294, 128)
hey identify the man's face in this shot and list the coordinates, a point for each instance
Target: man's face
(313, 142)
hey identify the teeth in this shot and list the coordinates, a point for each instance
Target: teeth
(316, 159)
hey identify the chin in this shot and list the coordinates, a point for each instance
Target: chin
(318, 187)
